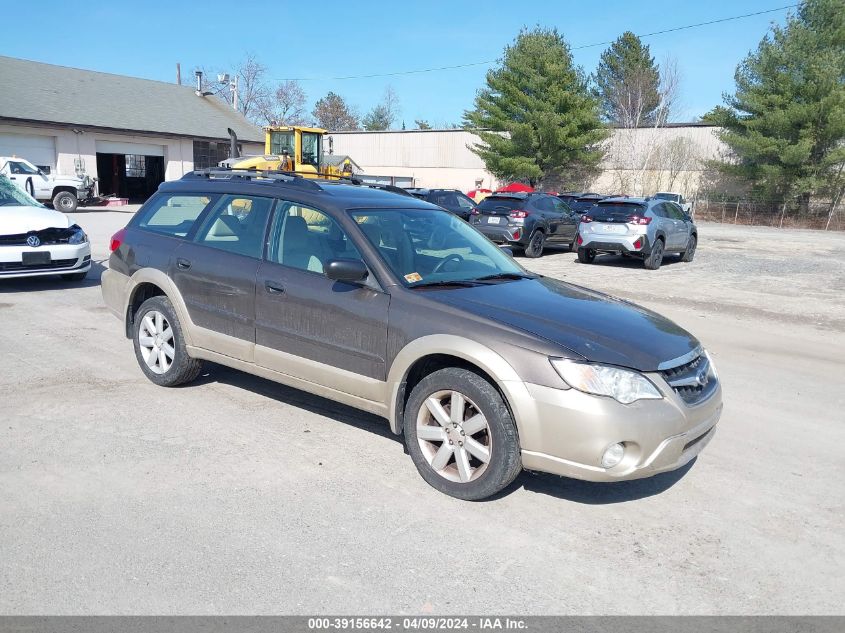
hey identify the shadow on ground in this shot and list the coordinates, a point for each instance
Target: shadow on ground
(52, 282)
(574, 490)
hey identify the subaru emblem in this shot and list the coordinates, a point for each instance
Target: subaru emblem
(702, 379)
(33, 241)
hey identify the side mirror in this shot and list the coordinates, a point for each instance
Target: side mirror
(506, 250)
(347, 270)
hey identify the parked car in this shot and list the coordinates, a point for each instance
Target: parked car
(63, 192)
(677, 198)
(36, 241)
(482, 367)
(641, 227)
(585, 201)
(450, 199)
(526, 220)
(569, 197)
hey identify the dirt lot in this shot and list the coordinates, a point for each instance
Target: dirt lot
(236, 495)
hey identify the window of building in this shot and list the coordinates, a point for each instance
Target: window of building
(136, 166)
(208, 154)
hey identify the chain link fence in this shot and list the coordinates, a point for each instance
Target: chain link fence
(757, 213)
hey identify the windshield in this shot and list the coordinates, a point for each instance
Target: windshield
(11, 195)
(615, 211)
(667, 196)
(280, 141)
(422, 247)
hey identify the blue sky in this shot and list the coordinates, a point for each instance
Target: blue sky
(331, 39)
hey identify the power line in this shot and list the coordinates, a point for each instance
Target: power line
(574, 48)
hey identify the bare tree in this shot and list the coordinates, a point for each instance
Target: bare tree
(287, 105)
(390, 101)
(253, 94)
(332, 113)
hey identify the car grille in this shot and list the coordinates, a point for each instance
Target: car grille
(693, 381)
(56, 263)
(45, 236)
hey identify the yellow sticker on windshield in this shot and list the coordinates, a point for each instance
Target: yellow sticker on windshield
(413, 277)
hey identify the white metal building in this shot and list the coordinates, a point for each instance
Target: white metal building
(639, 161)
(130, 133)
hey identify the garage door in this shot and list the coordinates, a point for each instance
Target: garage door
(140, 149)
(38, 150)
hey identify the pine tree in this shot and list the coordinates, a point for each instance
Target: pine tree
(785, 124)
(536, 117)
(627, 83)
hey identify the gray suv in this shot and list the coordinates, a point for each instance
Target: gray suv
(647, 228)
(354, 294)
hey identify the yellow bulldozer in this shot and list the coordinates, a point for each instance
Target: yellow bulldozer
(297, 149)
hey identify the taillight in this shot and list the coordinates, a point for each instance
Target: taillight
(579, 240)
(586, 219)
(117, 240)
(518, 214)
(636, 219)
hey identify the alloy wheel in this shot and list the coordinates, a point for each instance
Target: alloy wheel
(155, 338)
(454, 436)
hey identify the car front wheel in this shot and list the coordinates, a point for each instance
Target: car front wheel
(160, 344)
(460, 435)
(688, 254)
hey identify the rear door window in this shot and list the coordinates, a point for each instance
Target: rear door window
(173, 214)
(237, 224)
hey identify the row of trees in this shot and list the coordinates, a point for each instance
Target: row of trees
(285, 102)
(544, 120)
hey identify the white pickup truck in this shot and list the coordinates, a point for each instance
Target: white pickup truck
(63, 192)
(677, 198)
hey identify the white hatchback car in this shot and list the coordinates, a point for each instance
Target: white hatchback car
(37, 241)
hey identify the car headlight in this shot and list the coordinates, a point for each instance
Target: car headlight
(622, 385)
(78, 236)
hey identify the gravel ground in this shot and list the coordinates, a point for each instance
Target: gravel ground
(237, 496)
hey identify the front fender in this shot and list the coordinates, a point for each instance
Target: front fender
(478, 354)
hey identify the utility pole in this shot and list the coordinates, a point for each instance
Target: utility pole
(234, 87)
(178, 74)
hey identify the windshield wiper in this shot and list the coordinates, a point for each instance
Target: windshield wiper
(456, 283)
(506, 276)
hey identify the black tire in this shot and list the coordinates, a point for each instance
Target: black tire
(535, 244)
(75, 276)
(183, 368)
(586, 255)
(504, 463)
(687, 255)
(655, 257)
(30, 188)
(65, 202)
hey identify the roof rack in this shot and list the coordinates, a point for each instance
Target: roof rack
(279, 176)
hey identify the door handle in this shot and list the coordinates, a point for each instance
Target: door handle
(183, 263)
(273, 288)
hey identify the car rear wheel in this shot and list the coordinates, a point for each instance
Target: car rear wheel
(586, 255)
(655, 258)
(160, 344)
(688, 254)
(535, 244)
(65, 202)
(461, 435)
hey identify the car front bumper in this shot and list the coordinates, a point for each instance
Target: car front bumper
(64, 258)
(566, 431)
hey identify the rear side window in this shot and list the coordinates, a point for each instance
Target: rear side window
(609, 212)
(173, 214)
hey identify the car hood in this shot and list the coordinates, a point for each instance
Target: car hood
(22, 219)
(596, 326)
